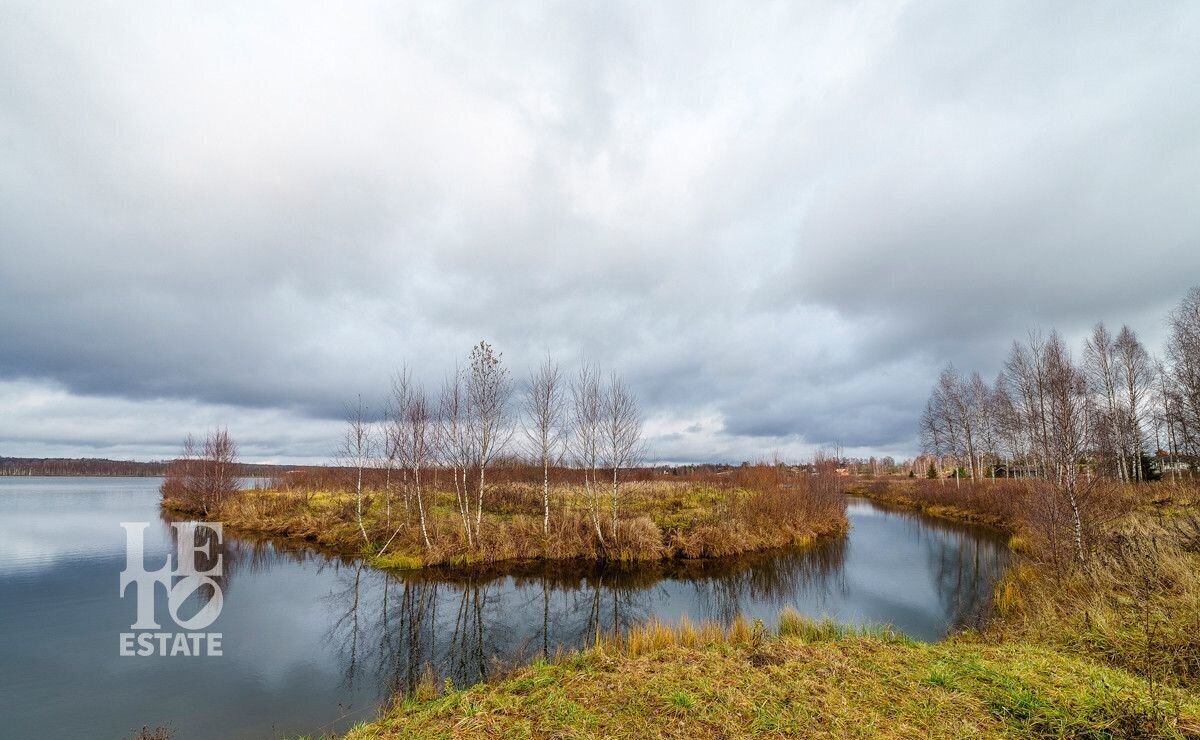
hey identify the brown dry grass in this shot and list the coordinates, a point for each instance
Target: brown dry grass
(751, 511)
(1133, 603)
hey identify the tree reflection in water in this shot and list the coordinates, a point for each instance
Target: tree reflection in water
(389, 631)
(964, 563)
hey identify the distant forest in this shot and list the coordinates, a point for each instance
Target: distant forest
(12, 466)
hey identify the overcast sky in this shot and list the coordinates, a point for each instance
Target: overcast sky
(776, 220)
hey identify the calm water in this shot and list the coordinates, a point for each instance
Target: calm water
(312, 644)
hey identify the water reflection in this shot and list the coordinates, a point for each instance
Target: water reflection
(313, 643)
(465, 627)
(964, 562)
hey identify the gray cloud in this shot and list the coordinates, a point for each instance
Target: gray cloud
(777, 222)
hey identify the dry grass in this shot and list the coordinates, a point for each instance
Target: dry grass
(1134, 603)
(1002, 504)
(658, 520)
(814, 680)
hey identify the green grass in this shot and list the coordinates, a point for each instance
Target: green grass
(814, 682)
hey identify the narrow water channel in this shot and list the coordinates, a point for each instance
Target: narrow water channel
(313, 644)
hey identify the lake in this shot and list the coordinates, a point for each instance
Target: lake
(312, 644)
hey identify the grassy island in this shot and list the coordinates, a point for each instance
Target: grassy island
(746, 510)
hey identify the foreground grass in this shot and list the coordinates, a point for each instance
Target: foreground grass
(812, 680)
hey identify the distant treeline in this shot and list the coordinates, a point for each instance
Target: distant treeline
(331, 476)
(62, 466)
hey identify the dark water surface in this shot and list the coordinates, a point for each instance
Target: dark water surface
(312, 643)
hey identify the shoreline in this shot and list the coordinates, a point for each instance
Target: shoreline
(948, 513)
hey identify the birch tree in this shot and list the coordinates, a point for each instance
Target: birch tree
(357, 452)
(933, 433)
(1068, 405)
(454, 444)
(419, 439)
(621, 435)
(986, 432)
(1183, 353)
(586, 414)
(393, 441)
(400, 430)
(1100, 365)
(1168, 410)
(543, 420)
(1136, 373)
(952, 417)
(1025, 371)
(488, 391)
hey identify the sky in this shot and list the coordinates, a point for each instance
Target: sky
(776, 221)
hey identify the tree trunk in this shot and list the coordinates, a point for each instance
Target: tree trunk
(1078, 524)
(358, 493)
(595, 505)
(464, 503)
(614, 510)
(479, 509)
(545, 495)
(387, 493)
(421, 507)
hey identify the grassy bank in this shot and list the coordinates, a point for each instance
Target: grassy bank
(1134, 603)
(657, 521)
(996, 505)
(810, 680)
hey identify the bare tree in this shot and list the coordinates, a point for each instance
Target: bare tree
(1025, 372)
(543, 425)
(357, 452)
(1168, 414)
(392, 443)
(1070, 415)
(1183, 353)
(419, 438)
(933, 435)
(219, 473)
(488, 391)
(584, 441)
(399, 434)
(1100, 365)
(204, 476)
(1136, 373)
(987, 432)
(952, 417)
(621, 435)
(454, 444)
(1007, 419)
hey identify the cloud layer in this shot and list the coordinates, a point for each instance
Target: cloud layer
(775, 220)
